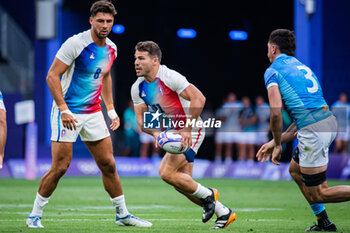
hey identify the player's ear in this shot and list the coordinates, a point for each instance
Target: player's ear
(155, 60)
(90, 20)
(274, 49)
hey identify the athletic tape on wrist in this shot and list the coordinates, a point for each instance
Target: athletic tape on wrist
(112, 114)
(67, 111)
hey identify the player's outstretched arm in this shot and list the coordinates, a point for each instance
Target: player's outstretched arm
(107, 97)
(57, 69)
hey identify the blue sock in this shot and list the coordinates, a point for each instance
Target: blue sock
(317, 208)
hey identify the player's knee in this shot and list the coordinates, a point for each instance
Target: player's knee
(166, 176)
(60, 170)
(107, 167)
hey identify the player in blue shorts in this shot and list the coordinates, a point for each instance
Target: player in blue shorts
(293, 84)
(3, 129)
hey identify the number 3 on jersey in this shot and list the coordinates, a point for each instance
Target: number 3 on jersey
(97, 73)
(308, 75)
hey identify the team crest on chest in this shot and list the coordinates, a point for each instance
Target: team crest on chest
(92, 56)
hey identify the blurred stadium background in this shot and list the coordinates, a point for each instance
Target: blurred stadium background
(217, 63)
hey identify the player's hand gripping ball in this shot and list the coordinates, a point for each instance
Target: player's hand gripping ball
(171, 142)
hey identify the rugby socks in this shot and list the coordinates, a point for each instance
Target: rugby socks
(120, 206)
(324, 219)
(320, 212)
(317, 208)
(39, 203)
(202, 192)
(220, 209)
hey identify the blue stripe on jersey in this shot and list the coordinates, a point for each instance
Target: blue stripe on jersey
(300, 90)
(1, 98)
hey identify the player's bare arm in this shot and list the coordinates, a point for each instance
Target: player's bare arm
(53, 81)
(139, 110)
(107, 97)
(3, 135)
(197, 99)
(276, 121)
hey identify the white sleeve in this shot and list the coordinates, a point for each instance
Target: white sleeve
(135, 94)
(176, 82)
(69, 51)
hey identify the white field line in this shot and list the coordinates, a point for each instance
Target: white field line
(111, 215)
(66, 207)
(134, 207)
(109, 220)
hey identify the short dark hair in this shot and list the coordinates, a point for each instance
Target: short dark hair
(103, 6)
(151, 47)
(284, 39)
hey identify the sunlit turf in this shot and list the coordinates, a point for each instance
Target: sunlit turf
(82, 205)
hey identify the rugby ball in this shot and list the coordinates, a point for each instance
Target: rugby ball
(171, 142)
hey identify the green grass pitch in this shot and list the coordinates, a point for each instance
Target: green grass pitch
(82, 205)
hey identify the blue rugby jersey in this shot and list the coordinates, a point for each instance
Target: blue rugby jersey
(300, 90)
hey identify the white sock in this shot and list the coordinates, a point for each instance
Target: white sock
(220, 209)
(120, 206)
(39, 203)
(202, 192)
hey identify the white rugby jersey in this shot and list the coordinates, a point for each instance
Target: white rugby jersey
(163, 93)
(82, 81)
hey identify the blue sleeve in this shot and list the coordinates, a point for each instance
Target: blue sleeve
(270, 77)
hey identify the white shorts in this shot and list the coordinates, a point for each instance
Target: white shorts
(2, 105)
(90, 127)
(146, 138)
(314, 142)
